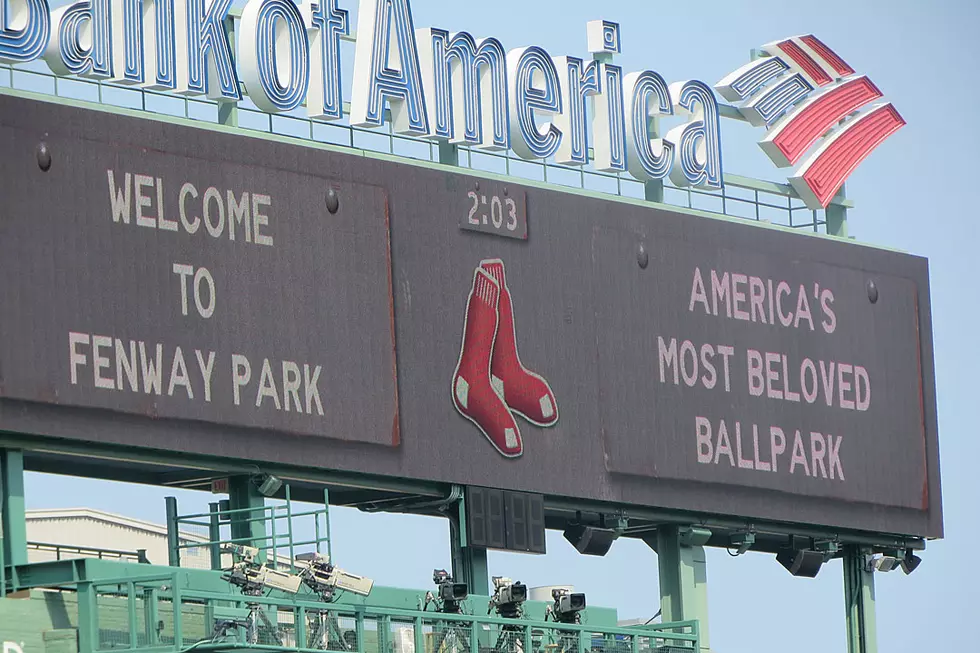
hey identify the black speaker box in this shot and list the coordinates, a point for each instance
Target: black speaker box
(590, 540)
(801, 562)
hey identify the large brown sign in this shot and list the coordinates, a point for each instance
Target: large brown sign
(246, 298)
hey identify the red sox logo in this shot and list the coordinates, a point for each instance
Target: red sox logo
(491, 384)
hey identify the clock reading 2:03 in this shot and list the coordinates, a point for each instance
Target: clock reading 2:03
(496, 209)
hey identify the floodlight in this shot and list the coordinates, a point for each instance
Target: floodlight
(801, 562)
(268, 484)
(743, 541)
(910, 562)
(882, 563)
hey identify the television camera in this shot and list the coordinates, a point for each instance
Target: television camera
(324, 578)
(568, 606)
(508, 597)
(448, 594)
(253, 577)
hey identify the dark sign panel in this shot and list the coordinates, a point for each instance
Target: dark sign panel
(251, 297)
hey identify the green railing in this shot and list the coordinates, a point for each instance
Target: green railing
(741, 197)
(271, 528)
(69, 551)
(144, 614)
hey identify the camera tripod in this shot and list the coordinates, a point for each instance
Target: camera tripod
(320, 629)
(254, 623)
(452, 636)
(510, 640)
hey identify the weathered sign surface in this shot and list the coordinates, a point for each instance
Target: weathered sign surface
(177, 288)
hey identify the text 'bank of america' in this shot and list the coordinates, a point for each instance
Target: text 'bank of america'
(463, 89)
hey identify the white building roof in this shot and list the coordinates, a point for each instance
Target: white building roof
(92, 514)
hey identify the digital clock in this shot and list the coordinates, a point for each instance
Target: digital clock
(495, 209)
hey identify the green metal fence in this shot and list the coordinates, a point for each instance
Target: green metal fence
(155, 613)
(741, 197)
(272, 529)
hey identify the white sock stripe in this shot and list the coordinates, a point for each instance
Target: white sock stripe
(496, 270)
(480, 288)
(547, 409)
(485, 290)
(462, 391)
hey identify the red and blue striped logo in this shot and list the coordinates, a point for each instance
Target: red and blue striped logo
(818, 113)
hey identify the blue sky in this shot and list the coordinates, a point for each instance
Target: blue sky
(911, 50)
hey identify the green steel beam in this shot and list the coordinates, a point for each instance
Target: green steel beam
(13, 518)
(859, 602)
(448, 153)
(88, 618)
(173, 532)
(228, 111)
(836, 214)
(220, 466)
(247, 527)
(683, 575)
(214, 535)
(653, 190)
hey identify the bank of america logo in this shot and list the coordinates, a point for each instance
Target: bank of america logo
(802, 91)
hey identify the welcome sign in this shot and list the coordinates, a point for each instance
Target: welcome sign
(461, 89)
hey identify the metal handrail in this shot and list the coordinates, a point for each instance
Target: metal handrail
(139, 555)
(788, 207)
(189, 604)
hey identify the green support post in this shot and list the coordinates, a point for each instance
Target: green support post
(13, 518)
(475, 569)
(247, 527)
(214, 535)
(683, 575)
(837, 217)
(448, 153)
(228, 111)
(88, 618)
(173, 532)
(653, 190)
(859, 600)
(151, 616)
(326, 524)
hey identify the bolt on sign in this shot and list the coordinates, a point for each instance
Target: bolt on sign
(184, 289)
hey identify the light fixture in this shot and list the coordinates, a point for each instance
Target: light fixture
(828, 548)
(882, 563)
(267, 484)
(742, 541)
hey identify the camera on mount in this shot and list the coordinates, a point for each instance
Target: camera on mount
(568, 606)
(450, 593)
(508, 597)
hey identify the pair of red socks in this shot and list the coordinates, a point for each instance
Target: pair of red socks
(491, 384)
